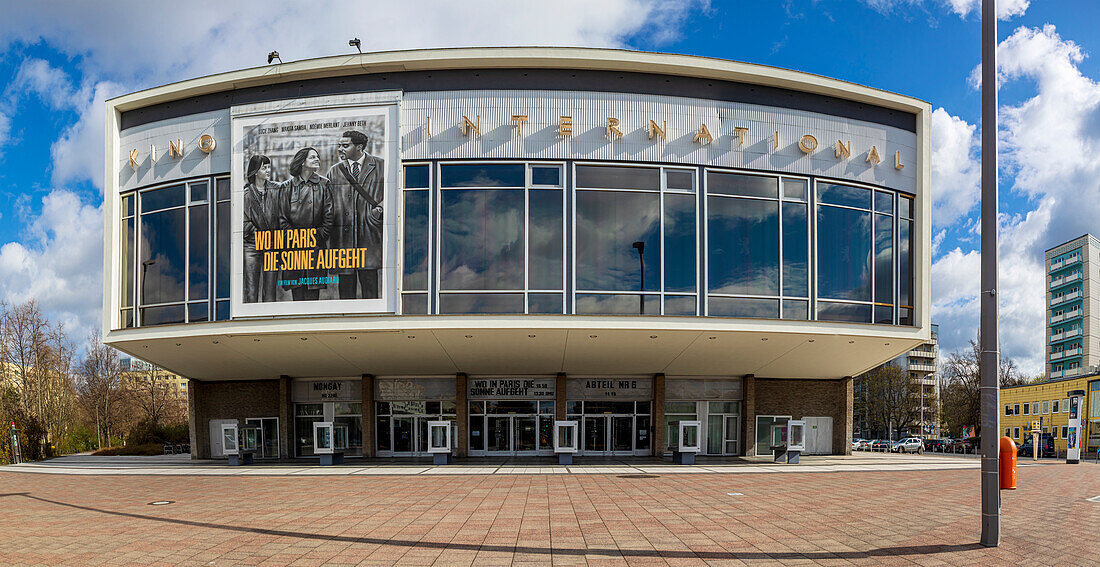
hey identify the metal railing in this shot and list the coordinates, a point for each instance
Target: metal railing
(1060, 299)
(1065, 279)
(1065, 334)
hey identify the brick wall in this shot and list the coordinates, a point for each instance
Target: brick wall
(802, 398)
(229, 400)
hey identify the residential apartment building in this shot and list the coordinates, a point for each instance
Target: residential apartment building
(1073, 293)
(137, 370)
(921, 365)
(1048, 403)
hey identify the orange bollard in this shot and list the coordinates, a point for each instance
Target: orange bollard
(1008, 464)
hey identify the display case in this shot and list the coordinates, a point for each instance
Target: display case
(687, 443)
(796, 440)
(325, 443)
(230, 441)
(441, 442)
(565, 441)
(779, 440)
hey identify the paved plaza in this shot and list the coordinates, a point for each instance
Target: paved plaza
(835, 511)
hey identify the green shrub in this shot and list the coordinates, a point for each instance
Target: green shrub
(147, 432)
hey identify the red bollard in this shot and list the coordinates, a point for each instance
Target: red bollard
(1008, 464)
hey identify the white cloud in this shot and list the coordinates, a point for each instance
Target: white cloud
(59, 262)
(1005, 8)
(128, 45)
(956, 167)
(1047, 143)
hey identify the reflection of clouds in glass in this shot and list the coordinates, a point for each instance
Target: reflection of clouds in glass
(795, 250)
(608, 223)
(680, 243)
(593, 304)
(481, 303)
(744, 246)
(844, 253)
(482, 239)
(482, 175)
(161, 264)
(743, 307)
(416, 241)
(545, 241)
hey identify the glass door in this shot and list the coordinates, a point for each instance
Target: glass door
(404, 434)
(525, 434)
(733, 422)
(622, 434)
(499, 435)
(595, 434)
(269, 436)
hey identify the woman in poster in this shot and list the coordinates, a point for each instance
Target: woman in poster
(307, 203)
(261, 212)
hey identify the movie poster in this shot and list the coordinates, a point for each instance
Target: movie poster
(313, 211)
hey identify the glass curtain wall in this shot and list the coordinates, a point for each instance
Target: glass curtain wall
(636, 240)
(501, 245)
(175, 254)
(758, 243)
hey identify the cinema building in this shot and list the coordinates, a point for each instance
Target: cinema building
(504, 237)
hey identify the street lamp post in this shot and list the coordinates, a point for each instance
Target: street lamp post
(990, 356)
(640, 247)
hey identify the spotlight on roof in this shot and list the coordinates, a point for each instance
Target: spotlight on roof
(354, 42)
(273, 56)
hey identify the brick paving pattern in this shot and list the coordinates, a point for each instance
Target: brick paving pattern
(863, 518)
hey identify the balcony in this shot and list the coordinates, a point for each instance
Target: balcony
(1063, 335)
(1065, 353)
(923, 352)
(917, 367)
(1058, 300)
(1065, 316)
(1059, 264)
(1068, 278)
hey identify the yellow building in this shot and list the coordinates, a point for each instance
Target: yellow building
(1048, 403)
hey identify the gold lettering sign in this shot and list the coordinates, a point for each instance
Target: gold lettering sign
(807, 144)
(565, 126)
(843, 151)
(657, 131)
(613, 131)
(152, 153)
(133, 159)
(703, 135)
(897, 161)
(428, 126)
(175, 149)
(207, 143)
(740, 132)
(519, 120)
(776, 139)
(468, 126)
(872, 157)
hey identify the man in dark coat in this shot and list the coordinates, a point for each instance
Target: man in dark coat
(358, 189)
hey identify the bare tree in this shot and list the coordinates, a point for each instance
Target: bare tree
(151, 392)
(960, 386)
(101, 388)
(891, 399)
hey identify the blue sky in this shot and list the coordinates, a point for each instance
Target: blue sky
(60, 60)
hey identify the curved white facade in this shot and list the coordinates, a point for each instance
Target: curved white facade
(806, 201)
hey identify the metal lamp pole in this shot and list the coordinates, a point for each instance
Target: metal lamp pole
(990, 356)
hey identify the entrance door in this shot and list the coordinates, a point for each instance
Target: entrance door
(269, 436)
(819, 435)
(595, 434)
(499, 438)
(733, 422)
(404, 435)
(525, 435)
(622, 434)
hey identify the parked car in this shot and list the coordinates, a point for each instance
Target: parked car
(880, 445)
(865, 444)
(1046, 447)
(909, 445)
(858, 444)
(933, 445)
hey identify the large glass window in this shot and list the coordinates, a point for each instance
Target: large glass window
(636, 240)
(494, 237)
(175, 253)
(501, 237)
(758, 245)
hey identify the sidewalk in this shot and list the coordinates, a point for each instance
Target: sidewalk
(182, 465)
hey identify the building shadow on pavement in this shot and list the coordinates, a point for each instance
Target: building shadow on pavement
(610, 552)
